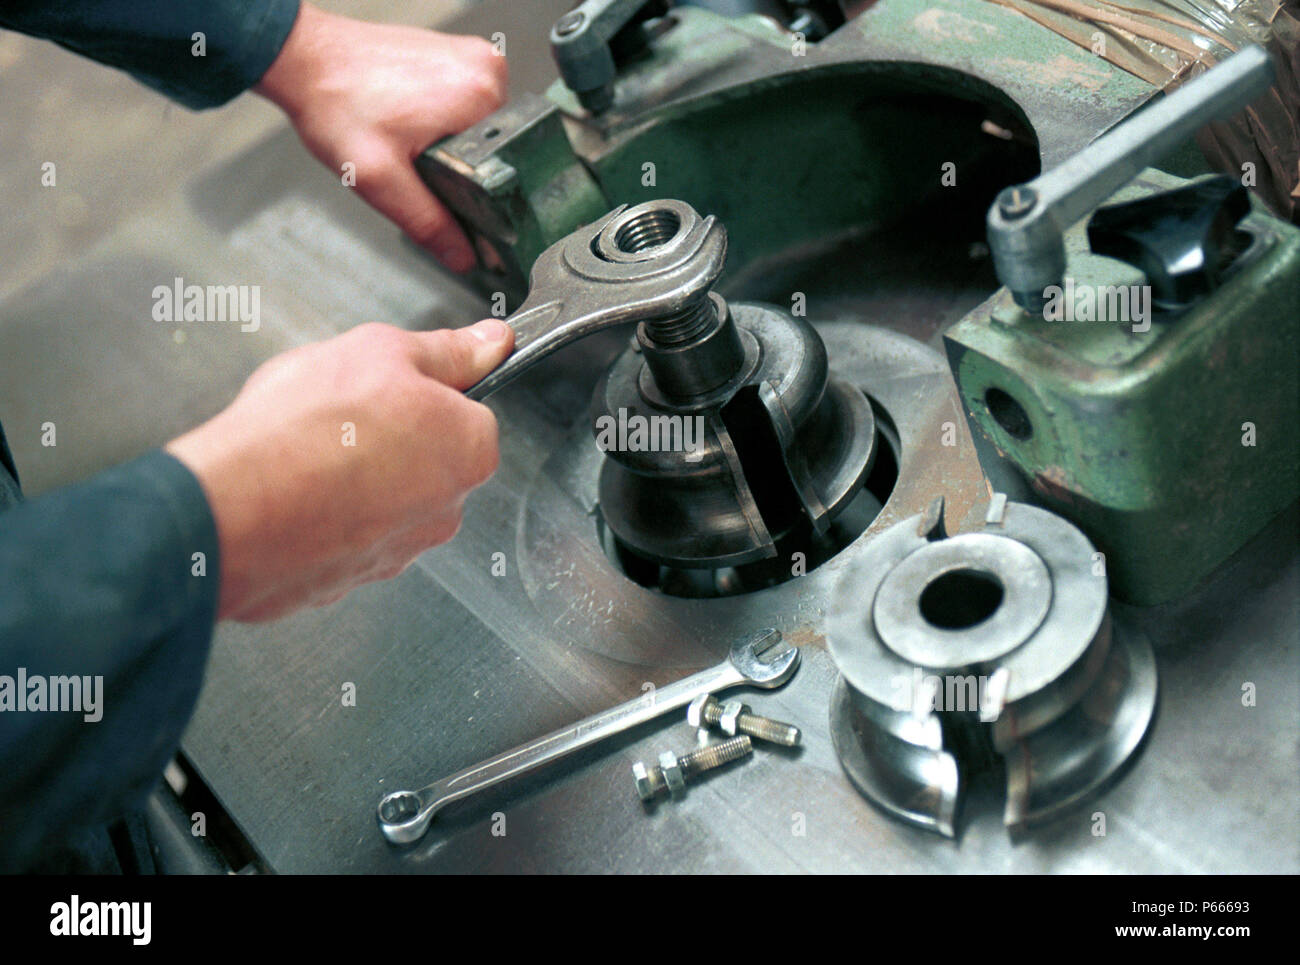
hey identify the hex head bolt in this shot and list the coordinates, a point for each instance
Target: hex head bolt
(733, 718)
(672, 772)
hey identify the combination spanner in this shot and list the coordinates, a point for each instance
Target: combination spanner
(759, 659)
(597, 277)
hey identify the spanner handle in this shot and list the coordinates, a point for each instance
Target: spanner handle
(532, 324)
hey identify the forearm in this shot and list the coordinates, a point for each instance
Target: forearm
(113, 582)
(156, 42)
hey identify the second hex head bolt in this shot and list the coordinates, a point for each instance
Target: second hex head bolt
(733, 718)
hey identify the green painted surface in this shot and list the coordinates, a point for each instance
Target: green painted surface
(792, 149)
(805, 161)
(1138, 437)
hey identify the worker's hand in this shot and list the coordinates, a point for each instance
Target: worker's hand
(374, 96)
(339, 462)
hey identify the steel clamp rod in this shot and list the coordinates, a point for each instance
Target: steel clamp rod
(1027, 222)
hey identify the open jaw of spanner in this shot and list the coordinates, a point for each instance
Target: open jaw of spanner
(654, 258)
(759, 659)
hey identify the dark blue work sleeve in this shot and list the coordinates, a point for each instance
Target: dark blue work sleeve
(117, 579)
(154, 40)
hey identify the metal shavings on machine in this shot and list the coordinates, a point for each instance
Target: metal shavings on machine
(993, 648)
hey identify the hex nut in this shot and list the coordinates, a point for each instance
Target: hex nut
(695, 712)
(672, 771)
(644, 785)
(731, 712)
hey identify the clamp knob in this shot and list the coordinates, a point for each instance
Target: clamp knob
(1183, 239)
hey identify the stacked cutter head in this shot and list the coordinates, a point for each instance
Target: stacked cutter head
(989, 651)
(781, 448)
(728, 442)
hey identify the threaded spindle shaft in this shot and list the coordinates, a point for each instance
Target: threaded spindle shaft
(650, 229)
(683, 326)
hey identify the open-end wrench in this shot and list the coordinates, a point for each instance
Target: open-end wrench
(759, 659)
(651, 259)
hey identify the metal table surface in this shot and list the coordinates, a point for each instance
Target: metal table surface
(452, 663)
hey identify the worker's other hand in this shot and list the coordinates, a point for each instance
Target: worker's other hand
(374, 96)
(341, 461)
